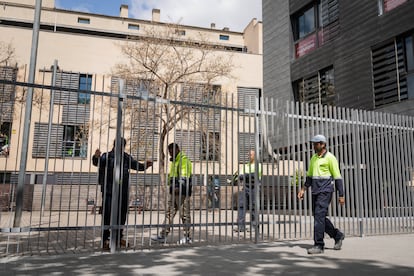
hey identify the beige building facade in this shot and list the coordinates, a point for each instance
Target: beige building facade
(86, 48)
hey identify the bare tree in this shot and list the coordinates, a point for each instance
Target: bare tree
(7, 53)
(172, 68)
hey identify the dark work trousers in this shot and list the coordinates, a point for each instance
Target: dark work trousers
(121, 214)
(320, 204)
(247, 200)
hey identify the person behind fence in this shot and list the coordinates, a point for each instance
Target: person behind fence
(213, 192)
(4, 144)
(323, 171)
(180, 189)
(247, 197)
(106, 163)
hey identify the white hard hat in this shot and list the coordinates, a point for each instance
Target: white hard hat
(318, 138)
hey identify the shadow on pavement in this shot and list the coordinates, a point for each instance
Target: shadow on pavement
(281, 258)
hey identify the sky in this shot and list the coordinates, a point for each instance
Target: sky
(234, 14)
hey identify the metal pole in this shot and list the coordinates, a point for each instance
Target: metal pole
(27, 117)
(256, 170)
(356, 138)
(119, 148)
(49, 131)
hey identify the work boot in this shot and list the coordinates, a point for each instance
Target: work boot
(239, 229)
(338, 243)
(105, 246)
(123, 243)
(315, 250)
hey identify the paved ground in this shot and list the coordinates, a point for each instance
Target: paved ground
(375, 255)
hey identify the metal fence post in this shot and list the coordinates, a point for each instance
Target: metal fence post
(357, 167)
(49, 127)
(256, 171)
(27, 116)
(119, 148)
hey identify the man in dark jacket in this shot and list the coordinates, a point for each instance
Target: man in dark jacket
(106, 163)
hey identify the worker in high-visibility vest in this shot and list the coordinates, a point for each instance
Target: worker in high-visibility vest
(247, 197)
(180, 190)
(321, 176)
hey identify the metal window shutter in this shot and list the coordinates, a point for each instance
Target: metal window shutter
(75, 114)
(246, 143)
(40, 140)
(190, 143)
(7, 93)
(66, 80)
(246, 97)
(385, 71)
(310, 92)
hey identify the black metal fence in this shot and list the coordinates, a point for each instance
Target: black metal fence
(62, 201)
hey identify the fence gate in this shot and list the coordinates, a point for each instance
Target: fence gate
(62, 202)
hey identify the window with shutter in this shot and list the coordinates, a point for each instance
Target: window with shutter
(317, 89)
(7, 101)
(246, 143)
(247, 97)
(390, 72)
(190, 143)
(208, 117)
(42, 137)
(314, 25)
(141, 118)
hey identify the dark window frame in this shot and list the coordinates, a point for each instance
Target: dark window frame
(408, 49)
(85, 84)
(298, 15)
(397, 83)
(133, 27)
(224, 37)
(381, 6)
(5, 134)
(84, 20)
(320, 75)
(73, 146)
(180, 32)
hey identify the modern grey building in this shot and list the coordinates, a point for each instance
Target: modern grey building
(356, 54)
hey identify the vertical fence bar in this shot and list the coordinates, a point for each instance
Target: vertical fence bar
(288, 172)
(27, 117)
(404, 177)
(115, 227)
(332, 142)
(255, 224)
(399, 168)
(384, 176)
(410, 167)
(296, 173)
(390, 171)
(347, 175)
(366, 191)
(371, 164)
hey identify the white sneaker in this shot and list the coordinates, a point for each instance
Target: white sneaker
(185, 240)
(158, 238)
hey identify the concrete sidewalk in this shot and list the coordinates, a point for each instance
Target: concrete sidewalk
(375, 255)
